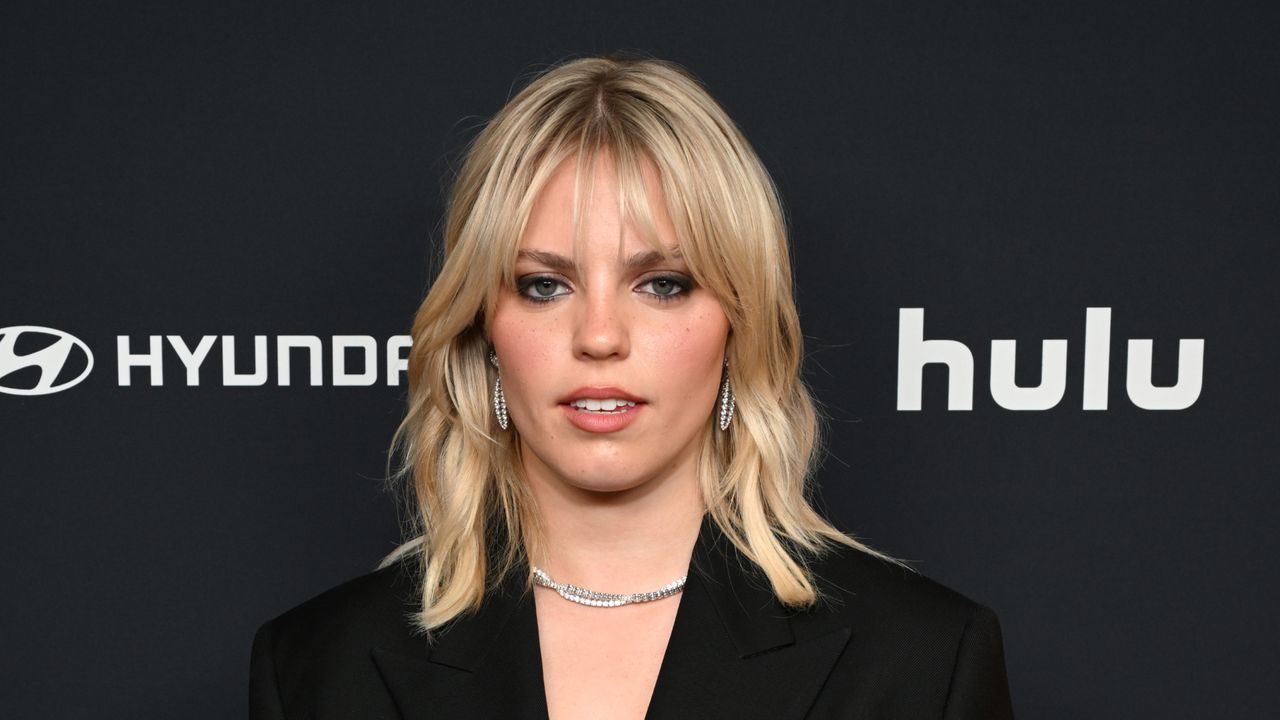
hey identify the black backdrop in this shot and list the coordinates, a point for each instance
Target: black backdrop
(272, 170)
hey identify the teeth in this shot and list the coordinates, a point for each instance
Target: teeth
(608, 404)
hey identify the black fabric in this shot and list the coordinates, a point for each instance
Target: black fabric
(886, 643)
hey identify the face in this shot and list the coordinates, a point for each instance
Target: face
(595, 327)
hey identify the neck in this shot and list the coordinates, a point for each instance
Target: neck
(620, 541)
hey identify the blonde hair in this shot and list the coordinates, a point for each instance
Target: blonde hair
(462, 475)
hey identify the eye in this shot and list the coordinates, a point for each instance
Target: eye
(668, 287)
(543, 287)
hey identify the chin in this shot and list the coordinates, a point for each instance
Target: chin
(606, 485)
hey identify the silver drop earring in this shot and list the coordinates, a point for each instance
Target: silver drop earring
(726, 399)
(499, 400)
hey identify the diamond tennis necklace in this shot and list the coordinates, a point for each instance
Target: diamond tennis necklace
(595, 598)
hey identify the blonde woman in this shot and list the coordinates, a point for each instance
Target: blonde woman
(609, 448)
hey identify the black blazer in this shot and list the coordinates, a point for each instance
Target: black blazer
(894, 645)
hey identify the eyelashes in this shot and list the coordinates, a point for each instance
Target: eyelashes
(682, 287)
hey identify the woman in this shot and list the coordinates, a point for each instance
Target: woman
(609, 449)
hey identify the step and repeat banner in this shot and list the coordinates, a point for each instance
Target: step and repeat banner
(1035, 254)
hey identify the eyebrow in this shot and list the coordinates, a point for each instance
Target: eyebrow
(638, 261)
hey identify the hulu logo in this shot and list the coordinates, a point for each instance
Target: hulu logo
(914, 352)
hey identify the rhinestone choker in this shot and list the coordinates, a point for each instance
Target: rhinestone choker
(594, 598)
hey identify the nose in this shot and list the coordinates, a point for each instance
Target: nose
(601, 327)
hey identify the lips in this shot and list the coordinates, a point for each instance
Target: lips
(601, 422)
(599, 392)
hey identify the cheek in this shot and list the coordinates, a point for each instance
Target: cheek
(523, 352)
(692, 348)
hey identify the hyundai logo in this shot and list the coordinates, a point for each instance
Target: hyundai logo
(51, 359)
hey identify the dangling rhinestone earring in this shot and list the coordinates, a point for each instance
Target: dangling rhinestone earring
(726, 399)
(499, 400)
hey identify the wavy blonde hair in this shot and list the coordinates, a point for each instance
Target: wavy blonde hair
(462, 475)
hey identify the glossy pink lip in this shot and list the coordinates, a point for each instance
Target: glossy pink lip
(601, 422)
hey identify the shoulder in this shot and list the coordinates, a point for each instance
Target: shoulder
(916, 645)
(888, 604)
(373, 607)
(340, 625)
(851, 575)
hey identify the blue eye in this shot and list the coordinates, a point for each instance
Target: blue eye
(540, 283)
(668, 283)
(667, 287)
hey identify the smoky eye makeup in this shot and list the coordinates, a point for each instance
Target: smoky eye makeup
(541, 288)
(667, 281)
(538, 284)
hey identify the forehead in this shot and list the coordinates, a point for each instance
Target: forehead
(598, 207)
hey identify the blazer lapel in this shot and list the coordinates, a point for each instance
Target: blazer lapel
(484, 665)
(732, 653)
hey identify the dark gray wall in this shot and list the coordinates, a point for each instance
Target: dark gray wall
(270, 170)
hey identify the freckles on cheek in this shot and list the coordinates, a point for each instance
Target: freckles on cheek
(689, 345)
(539, 352)
(540, 347)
